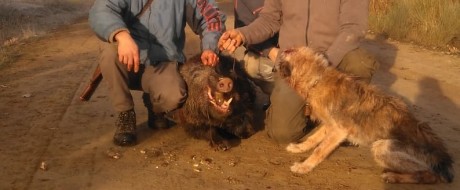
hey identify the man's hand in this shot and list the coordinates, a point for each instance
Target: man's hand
(128, 52)
(210, 58)
(230, 40)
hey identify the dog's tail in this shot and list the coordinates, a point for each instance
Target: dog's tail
(437, 156)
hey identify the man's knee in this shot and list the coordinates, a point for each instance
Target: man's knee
(283, 134)
(175, 99)
(258, 67)
(165, 85)
(359, 63)
(251, 64)
(168, 99)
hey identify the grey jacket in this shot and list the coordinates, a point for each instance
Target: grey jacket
(159, 32)
(246, 11)
(334, 27)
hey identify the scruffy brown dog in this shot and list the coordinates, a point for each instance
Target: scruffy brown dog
(220, 102)
(408, 150)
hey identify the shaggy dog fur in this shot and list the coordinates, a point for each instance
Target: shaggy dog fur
(219, 106)
(408, 150)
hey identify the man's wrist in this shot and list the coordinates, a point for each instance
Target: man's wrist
(119, 35)
(242, 37)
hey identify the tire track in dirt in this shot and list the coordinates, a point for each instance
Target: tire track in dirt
(38, 89)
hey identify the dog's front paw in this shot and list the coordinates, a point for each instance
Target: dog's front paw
(301, 168)
(295, 148)
(222, 145)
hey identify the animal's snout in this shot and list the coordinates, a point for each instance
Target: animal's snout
(225, 85)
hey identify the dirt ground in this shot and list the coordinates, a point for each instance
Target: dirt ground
(52, 140)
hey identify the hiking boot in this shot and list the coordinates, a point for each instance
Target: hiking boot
(125, 135)
(157, 120)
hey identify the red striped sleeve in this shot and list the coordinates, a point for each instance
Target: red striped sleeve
(211, 15)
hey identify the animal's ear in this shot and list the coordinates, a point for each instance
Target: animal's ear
(223, 66)
(284, 69)
(286, 54)
(321, 58)
(227, 66)
(325, 62)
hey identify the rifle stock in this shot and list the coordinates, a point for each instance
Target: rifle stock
(93, 84)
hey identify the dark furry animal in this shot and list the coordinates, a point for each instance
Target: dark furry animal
(408, 150)
(220, 102)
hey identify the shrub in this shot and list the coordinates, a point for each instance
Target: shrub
(425, 22)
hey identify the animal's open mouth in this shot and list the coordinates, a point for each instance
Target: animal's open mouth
(218, 101)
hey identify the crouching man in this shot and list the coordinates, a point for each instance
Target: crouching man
(144, 47)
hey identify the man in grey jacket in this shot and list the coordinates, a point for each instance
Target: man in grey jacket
(334, 27)
(145, 42)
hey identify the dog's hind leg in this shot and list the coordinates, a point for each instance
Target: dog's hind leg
(333, 138)
(425, 177)
(311, 142)
(401, 166)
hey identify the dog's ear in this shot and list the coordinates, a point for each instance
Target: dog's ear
(286, 54)
(322, 59)
(284, 69)
(325, 62)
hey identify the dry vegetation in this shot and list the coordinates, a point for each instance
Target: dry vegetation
(23, 19)
(431, 23)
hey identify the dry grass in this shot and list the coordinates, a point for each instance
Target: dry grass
(426, 22)
(23, 19)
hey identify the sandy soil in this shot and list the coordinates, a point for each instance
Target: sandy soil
(52, 140)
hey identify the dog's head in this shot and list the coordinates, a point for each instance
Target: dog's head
(301, 66)
(301, 63)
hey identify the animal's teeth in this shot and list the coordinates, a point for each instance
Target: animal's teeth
(227, 103)
(209, 94)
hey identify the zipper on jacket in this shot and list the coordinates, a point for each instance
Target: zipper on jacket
(308, 22)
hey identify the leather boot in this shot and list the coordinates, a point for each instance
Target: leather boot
(125, 134)
(155, 120)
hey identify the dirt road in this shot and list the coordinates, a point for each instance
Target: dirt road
(51, 140)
